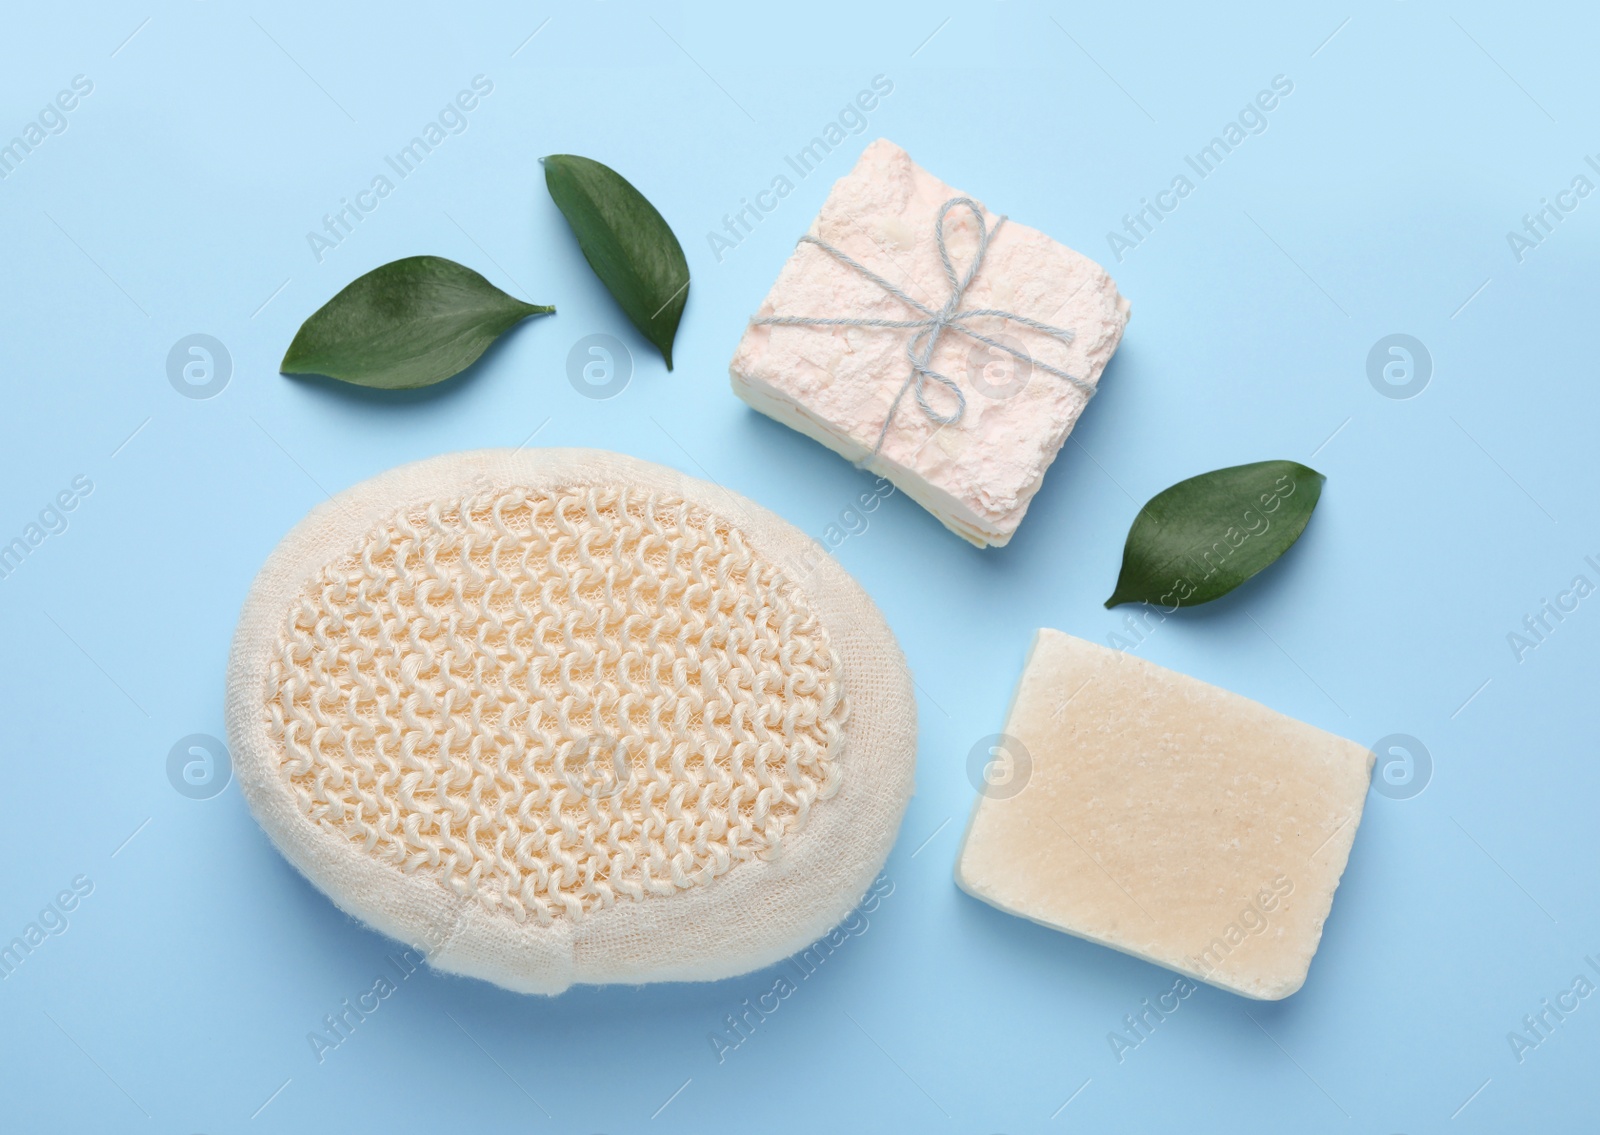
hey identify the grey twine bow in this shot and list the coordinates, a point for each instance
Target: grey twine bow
(920, 347)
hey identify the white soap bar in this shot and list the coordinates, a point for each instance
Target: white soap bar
(836, 384)
(1164, 817)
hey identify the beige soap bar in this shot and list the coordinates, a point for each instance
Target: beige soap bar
(1165, 818)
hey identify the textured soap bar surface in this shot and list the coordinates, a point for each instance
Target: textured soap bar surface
(1166, 818)
(836, 384)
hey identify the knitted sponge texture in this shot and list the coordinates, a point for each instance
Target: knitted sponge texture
(551, 700)
(559, 716)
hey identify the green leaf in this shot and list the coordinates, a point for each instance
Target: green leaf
(410, 323)
(626, 242)
(1203, 537)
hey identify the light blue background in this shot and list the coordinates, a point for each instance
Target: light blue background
(1377, 201)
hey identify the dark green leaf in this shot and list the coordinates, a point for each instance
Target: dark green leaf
(1203, 537)
(626, 242)
(410, 323)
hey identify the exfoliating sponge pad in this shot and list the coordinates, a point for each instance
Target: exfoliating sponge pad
(557, 716)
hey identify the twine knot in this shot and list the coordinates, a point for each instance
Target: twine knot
(921, 346)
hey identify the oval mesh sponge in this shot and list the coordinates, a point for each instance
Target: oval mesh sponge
(559, 716)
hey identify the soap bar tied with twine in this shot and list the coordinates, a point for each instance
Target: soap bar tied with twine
(920, 347)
